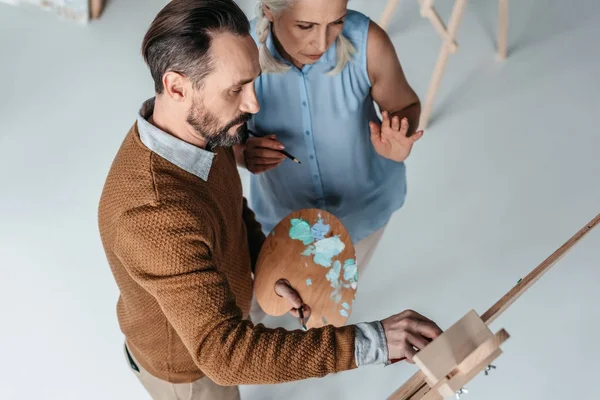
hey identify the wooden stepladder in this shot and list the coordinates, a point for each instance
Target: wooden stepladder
(96, 8)
(449, 45)
(468, 347)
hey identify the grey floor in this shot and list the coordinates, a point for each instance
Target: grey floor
(508, 170)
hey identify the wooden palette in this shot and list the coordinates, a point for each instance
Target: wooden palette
(320, 267)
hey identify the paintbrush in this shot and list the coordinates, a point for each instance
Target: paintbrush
(301, 318)
(291, 157)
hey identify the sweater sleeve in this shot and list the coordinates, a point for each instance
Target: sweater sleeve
(167, 251)
(256, 237)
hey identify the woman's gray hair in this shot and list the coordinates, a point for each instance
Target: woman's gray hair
(268, 63)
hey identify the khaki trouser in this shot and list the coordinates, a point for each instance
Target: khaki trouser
(202, 389)
(365, 249)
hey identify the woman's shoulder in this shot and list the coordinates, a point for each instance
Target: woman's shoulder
(356, 23)
(356, 28)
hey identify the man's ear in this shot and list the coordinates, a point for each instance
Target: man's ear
(175, 85)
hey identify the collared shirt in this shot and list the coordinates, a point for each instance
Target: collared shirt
(323, 120)
(186, 156)
(370, 343)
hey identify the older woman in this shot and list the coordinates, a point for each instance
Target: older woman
(324, 69)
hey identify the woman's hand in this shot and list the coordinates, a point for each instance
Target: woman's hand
(390, 139)
(261, 154)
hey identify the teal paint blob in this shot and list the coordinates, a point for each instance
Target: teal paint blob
(300, 230)
(343, 313)
(327, 249)
(336, 295)
(346, 306)
(350, 271)
(319, 230)
(333, 276)
(308, 282)
(309, 251)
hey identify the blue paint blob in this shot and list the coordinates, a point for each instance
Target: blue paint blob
(346, 306)
(343, 313)
(308, 282)
(300, 230)
(319, 230)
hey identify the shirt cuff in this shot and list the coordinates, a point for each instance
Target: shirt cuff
(370, 346)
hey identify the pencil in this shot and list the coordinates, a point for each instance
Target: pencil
(291, 157)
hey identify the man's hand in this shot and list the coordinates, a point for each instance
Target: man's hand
(390, 139)
(261, 154)
(407, 333)
(283, 289)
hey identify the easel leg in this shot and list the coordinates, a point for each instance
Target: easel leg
(455, 18)
(96, 8)
(502, 28)
(386, 17)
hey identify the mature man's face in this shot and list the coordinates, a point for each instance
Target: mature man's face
(226, 100)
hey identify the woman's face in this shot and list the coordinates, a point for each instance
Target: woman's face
(308, 28)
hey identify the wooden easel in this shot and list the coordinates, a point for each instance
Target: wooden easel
(448, 35)
(468, 347)
(96, 8)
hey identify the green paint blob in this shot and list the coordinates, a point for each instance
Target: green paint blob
(300, 230)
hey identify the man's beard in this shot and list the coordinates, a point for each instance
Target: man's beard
(207, 126)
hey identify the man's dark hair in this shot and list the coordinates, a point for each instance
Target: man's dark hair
(179, 38)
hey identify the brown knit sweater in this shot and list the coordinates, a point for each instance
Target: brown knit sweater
(181, 251)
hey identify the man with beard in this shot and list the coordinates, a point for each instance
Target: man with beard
(182, 243)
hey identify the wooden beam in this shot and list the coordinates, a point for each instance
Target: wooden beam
(388, 13)
(411, 387)
(440, 66)
(96, 8)
(431, 14)
(502, 28)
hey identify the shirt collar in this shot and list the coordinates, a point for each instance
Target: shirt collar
(328, 59)
(186, 156)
